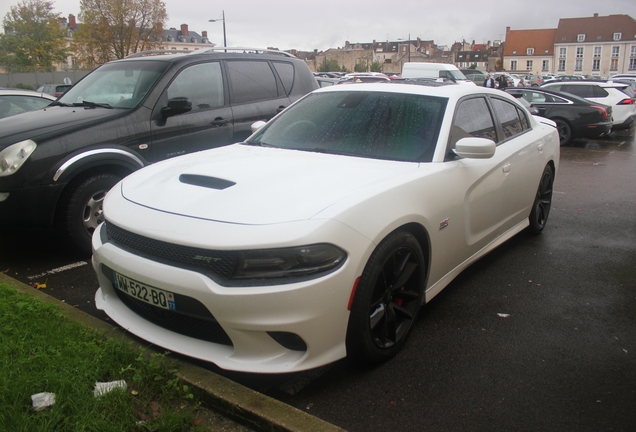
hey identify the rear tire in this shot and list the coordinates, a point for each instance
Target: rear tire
(81, 211)
(542, 202)
(387, 300)
(565, 131)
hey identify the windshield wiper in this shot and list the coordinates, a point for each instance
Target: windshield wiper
(58, 103)
(89, 104)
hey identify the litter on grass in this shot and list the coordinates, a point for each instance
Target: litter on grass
(42, 400)
(101, 388)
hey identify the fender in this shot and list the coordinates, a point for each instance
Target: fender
(96, 157)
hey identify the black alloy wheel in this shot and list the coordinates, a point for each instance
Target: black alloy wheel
(387, 300)
(542, 202)
(565, 131)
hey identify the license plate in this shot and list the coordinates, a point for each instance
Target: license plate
(145, 293)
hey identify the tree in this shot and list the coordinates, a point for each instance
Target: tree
(376, 66)
(361, 66)
(114, 29)
(329, 65)
(33, 41)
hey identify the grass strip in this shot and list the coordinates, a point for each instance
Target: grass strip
(43, 351)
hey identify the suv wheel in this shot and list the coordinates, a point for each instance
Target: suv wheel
(80, 209)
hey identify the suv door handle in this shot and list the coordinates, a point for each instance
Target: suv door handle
(219, 121)
(280, 108)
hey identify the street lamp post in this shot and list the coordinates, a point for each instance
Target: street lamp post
(221, 19)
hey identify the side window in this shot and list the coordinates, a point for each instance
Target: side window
(600, 92)
(524, 120)
(202, 84)
(472, 118)
(509, 116)
(286, 74)
(579, 90)
(251, 81)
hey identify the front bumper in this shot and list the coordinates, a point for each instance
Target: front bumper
(250, 317)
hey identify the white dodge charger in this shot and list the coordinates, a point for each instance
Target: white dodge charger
(323, 234)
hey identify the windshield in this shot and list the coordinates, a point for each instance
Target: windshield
(378, 125)
(454, 74)
(118, 84)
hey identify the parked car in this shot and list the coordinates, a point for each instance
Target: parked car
(532, 80)
(18, 101)
(326, 82)
(127, 114)
(606, 93)
(262, 256)
(362, 77)
(56, 90)
(531, 108)
(509, 79)
(475, 75)
(575, 117)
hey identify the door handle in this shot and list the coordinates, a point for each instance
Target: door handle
(540, 148)
(280, 108)
(506, 168)
(219, 121)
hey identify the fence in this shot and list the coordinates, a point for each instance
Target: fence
(37, 79)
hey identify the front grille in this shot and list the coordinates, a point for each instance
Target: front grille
(199, 327)
(213, 263)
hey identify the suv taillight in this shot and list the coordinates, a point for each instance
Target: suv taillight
(628, 101)
(602, 110)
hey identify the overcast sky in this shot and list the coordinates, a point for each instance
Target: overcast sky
(308, 25)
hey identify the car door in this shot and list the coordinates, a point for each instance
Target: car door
(257, 93)
(208, 124)
(495, 194)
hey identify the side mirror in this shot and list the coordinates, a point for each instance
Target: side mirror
(178, 105)
(475, 148)
(257, 125)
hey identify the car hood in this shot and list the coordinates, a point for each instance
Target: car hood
(255, 185)
(51, 121)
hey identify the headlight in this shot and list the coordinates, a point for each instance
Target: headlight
(295, 261)
(14, 156)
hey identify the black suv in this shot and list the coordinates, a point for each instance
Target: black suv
(56, 164)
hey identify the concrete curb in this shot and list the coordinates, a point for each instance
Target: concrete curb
(219, 393)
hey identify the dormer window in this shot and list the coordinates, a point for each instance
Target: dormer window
(530, 51)
(618, 36)
(514, 52)
(580, 38)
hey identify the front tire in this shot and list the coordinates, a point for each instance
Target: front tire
(81, 211)
(387, 300)
(542, 202)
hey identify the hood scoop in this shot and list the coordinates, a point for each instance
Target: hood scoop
(205, 181)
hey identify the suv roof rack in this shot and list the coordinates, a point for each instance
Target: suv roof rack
(156, 52)
(243, 50)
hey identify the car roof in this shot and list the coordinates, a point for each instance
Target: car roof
(561, 94)
(604, 84)
(212, 52)
(21, 92)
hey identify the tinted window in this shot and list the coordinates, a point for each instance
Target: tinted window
(472, 119)
(580, 90)
(286, 74)
(251, 81)
(202, 84)
(509, 117)
(369, 124)
(600, 92)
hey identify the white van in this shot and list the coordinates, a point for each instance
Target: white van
(433, 70)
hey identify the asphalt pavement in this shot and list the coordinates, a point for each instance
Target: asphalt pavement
(538, 335)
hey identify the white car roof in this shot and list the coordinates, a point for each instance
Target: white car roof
(20, 92)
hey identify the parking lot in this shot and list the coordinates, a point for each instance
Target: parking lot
(538, 335)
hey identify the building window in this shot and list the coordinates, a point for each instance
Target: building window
(513, 65)
(545, 65)
(580, 38)
(618, 36)
(596, 64)
(562, 52)
(514, 51)
(530, 51)
(615, 51)
(578, 63)
(561, 64)
(632, 58)
(597, 52)
(529, 65)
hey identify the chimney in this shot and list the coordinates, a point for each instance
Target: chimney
(595, 15)
(71, 22)
(507, 30)
(204, 34)
(184, 29)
